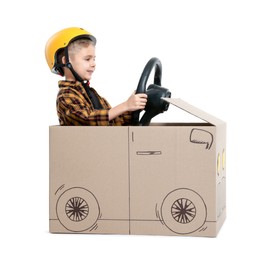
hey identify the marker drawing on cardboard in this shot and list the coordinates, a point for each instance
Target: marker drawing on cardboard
(142, 182)
(200, 136)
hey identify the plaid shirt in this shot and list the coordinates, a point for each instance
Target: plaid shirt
(74, 107)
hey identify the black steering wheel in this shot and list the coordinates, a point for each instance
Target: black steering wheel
(155, 103)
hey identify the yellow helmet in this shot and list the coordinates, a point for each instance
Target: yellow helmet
(59, 41)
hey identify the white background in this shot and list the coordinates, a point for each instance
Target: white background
(215, 55)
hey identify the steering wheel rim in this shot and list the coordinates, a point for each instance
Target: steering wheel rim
(141, 88)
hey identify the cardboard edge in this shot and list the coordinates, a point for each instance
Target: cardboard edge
(194, 111)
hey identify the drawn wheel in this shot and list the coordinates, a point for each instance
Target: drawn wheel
(183, 211)
(77, 209)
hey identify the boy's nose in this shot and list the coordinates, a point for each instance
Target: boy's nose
(93, 64)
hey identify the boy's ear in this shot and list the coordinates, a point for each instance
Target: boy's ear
(64, 60)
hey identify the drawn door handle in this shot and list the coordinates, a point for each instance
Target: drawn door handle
(148, 152)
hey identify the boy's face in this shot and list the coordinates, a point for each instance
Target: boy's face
(83, 61)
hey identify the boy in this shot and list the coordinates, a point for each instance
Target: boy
(71, 53)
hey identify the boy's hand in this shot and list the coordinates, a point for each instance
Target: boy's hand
(136, 102)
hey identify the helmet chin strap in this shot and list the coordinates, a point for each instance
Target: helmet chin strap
(74, 73)
(94, 99)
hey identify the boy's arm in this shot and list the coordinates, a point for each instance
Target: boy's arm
(123, 119)
(134, 102)
(117, 111)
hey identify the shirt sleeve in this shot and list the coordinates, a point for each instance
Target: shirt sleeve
(127, 118)
(74, 110)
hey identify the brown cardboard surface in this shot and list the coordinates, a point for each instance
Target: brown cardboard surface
(91, 167)
(164, 179)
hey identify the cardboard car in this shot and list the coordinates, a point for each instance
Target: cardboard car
(163, 179)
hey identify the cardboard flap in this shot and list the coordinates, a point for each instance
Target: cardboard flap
(194, 111)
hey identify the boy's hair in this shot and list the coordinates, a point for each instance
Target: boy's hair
(79, 44)
(73, 47)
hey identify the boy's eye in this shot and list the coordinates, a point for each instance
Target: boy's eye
(88, 59)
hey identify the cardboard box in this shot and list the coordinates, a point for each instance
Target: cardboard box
(163, 179)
